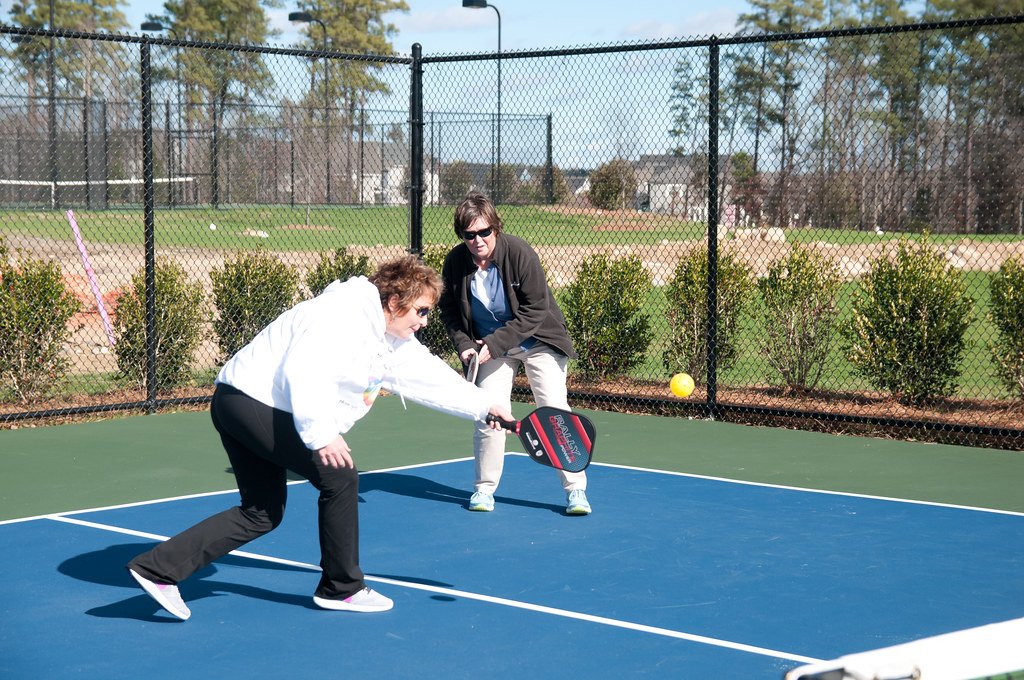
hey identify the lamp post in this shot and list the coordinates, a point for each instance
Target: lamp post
(157, 26)
(51, 85)
(483, 4)
(306, 17)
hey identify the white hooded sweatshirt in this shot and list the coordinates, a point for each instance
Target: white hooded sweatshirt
(325, 360)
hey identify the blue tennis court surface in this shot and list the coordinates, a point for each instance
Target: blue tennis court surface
(672, 576)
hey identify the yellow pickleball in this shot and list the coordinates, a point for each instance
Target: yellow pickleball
(681, 385)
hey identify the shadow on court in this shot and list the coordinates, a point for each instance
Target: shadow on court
(107, 567)
(426, 489)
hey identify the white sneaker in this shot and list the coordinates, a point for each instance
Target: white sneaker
(166, 595)
(481, 502)
(365, 601)
(576, 503)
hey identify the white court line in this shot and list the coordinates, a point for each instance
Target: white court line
(616, 623)
(134, 504)
(516, 453)
(848, 494)
(205, 494)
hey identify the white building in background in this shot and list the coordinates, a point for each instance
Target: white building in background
(677, 185)
(382, 179)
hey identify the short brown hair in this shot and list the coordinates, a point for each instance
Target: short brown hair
(408, 278)
(473, 206)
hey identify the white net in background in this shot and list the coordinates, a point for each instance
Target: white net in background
(134, 183)
(992, 652)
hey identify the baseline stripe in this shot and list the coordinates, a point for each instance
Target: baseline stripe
(807, 489)
(637, 468)
(158, 537)
(628, 625)
(206, 494)
(602, 620)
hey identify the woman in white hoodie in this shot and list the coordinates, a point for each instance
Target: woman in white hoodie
(284, 402)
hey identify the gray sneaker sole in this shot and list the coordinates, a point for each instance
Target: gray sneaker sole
(342, 606)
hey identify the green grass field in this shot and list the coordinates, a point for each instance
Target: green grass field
(298, 229)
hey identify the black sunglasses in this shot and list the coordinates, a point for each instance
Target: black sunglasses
(422, 311)
(483, 233)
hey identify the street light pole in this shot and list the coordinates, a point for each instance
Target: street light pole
(306, 17)
(482, 4)
(157, 26)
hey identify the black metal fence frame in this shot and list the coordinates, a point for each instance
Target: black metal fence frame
(711, 407)
(152, 402)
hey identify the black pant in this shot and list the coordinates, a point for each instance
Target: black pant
(262, 443)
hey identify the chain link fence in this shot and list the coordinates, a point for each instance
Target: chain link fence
(826, 230)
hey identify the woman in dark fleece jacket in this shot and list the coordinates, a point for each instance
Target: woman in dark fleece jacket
(497, 303)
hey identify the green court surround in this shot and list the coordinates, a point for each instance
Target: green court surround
(136, 458)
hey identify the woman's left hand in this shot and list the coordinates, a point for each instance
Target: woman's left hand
(335, 455)
(484, 353)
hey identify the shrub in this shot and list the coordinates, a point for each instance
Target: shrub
(178, 326)
(434, 336)
(687, 315)
(249, 293)
(603, 314)
(906, 336)
(1007, 314)
(35, 307)
(799, 315)
(613, 185)
(339, 267)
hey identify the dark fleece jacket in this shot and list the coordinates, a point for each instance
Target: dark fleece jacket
(535, 313)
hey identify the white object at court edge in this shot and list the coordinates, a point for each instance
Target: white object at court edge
(972, 653)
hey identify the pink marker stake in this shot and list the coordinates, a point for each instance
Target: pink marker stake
(91, 276)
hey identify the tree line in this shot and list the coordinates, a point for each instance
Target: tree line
(206, 83)
(909, 132)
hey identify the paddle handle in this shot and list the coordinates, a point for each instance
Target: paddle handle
(511, 425)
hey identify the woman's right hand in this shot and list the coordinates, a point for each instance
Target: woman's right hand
(499, 411)
(336, 455)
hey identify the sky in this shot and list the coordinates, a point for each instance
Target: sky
(444, 26)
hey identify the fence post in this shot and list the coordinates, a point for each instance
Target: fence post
(17, 153)
(51, 92)
(85, 151)
(712, 323)
(149, 232)
(106, 155)
(431, 182)
(169, 161)
(416, 153)
(362, 150)
(549, 180)
(215, 161)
